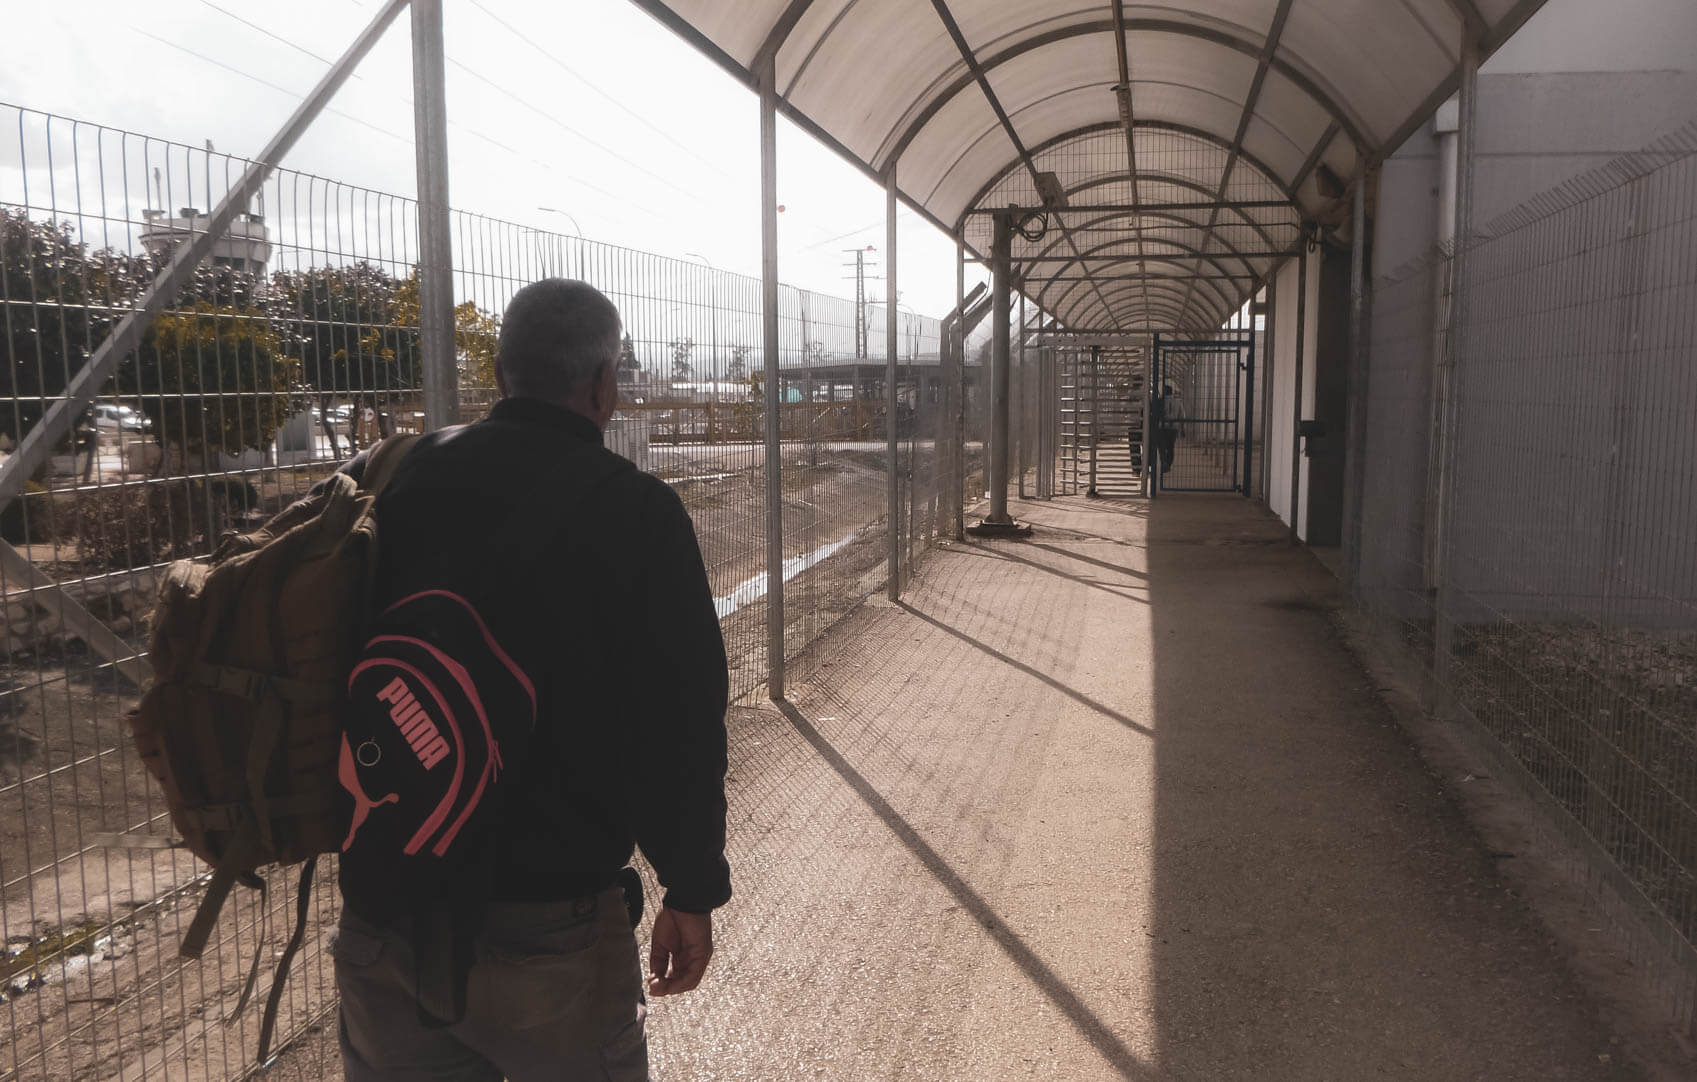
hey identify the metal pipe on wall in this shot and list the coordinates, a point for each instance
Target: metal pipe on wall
(435, 225)
(891, 345)
(1466, 133)
(769, 335)
(1296, 393)
(1354, 464)
(1019, 392)
(1001, 252)
(1270, 338)
(957, 416)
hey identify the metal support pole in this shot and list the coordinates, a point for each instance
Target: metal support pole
(37, 445)
(769, 334)
(1296, 404)
(1095, 413)
(435, 225)
(1001, 312)
(1020, 393)
(1268, 384)
(957, 416)
(892, 460)
(1443, 603)
(1248, 410)
(1151, 439)
(1355, 465)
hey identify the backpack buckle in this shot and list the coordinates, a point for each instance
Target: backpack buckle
(241, 683)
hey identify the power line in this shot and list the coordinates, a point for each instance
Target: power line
(614, 102)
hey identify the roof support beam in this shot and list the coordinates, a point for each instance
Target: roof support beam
(1325, 97)
(1312, 162)
(1134, 208)
(1250, 101)
(1263, 168)
(971, 60)
(1122, 93)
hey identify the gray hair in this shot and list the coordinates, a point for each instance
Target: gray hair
(555, 337)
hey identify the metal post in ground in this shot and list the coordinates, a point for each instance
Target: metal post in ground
(1443, 653)
(1270, 337)
(1355, 465)
(1296, 406)
(435, 224)
(1249, 408)
(769, 333)
(1019, 392)
(892, 460)
(957, 415)
(998, 523)
(1095, 413)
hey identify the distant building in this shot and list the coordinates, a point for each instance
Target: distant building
(246, 247)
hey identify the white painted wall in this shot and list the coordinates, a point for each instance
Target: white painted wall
(1280, 447)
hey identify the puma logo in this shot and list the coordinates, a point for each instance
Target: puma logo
(348, 775)
(408, 715)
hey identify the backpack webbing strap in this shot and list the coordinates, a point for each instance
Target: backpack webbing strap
(267, 734)
(268, 1021)
(384, 459)
(239, 855)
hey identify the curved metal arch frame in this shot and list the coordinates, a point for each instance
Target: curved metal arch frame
(1326, 97)
(1068, 306)
(1096, 127)
(1112, 259)
(1266, 172)
(1196, 252)
(1169, 306)
(1216, 291)
(1259, 227)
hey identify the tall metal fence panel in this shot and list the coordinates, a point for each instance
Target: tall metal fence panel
(1538, 556)
(296, 345)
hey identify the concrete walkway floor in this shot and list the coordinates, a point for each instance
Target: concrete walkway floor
(1111, 803)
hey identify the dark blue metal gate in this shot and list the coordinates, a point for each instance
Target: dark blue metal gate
(1201, 416)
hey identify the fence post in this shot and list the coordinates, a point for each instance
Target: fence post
(1296, 394)
(1270, 339)
(769, 330)
(435, 226)
(1001, 250)
(1443, 652)
(892, 457)
(1355, 468)
(957, 417)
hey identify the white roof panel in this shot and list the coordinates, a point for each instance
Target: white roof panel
(887, 80)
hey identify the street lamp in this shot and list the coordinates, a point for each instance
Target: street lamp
(712, 312)
(577, 231)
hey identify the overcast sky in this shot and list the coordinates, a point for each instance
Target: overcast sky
(588, 106)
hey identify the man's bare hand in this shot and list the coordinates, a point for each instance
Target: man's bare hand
(678, 952)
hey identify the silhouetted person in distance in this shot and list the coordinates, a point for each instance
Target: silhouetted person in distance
(1166, 414)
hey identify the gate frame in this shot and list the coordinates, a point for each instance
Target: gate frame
(1243, 341)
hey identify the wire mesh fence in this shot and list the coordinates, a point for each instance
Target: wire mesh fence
(296, 345)
(1531, 547)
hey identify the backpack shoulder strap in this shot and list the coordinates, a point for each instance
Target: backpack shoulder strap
(384, 459)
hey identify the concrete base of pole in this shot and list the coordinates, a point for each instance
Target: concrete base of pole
(990, 529)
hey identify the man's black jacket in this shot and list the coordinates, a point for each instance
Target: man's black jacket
(588, 573)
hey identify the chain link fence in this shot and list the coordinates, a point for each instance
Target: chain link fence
(296, 345)
(1530, 549)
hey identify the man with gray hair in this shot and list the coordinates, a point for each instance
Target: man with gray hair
(587, 573)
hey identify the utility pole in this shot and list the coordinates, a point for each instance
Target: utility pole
(860, 328)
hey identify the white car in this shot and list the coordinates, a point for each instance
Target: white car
(114, 418)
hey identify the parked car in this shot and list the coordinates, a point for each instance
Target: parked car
(113, 418)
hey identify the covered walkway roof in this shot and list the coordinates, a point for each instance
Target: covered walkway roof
(1188, 141)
